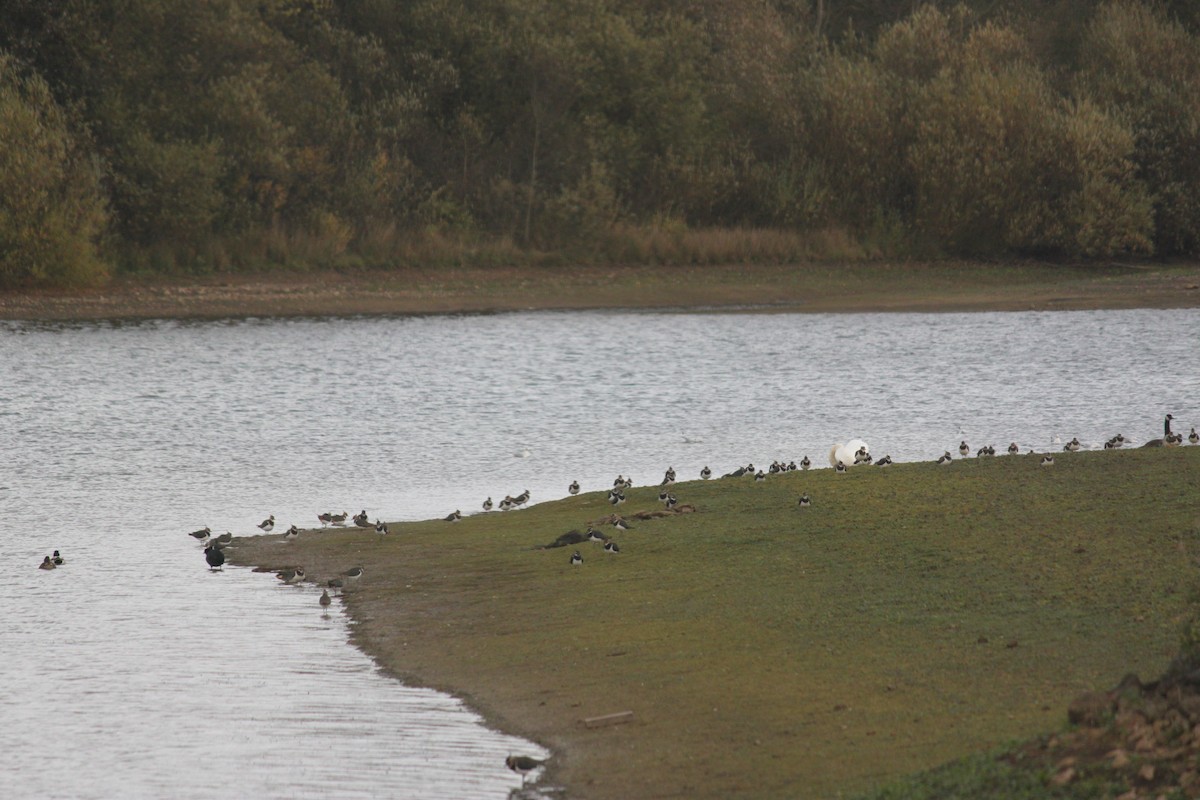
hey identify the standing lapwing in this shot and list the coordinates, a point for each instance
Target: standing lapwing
(1013, 449)
(574, 487)
(805, 463)
(325, 518)
(352, 576)
(705, 473)
(1047, 460)
(576, 559)
(945, 459)
(224, 540)
(201, 535)
(487, 504)
(611, 547)
(268, 524)
(594, 535)
(291, 576)
(522, 765)
(964, 450)
(805, 501)
(381, 529)
(1193, 437)
(291, 533)
(840, 469)
(339, 519)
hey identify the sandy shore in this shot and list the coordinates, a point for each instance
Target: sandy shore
(873, 286)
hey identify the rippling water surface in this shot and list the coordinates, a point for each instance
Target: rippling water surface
(134, 672)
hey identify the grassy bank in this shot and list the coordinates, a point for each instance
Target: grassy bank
(812, 287)
(911, 615)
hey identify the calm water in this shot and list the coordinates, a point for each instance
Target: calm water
(134, 672)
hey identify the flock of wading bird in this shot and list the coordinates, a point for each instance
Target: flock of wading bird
(841, 457)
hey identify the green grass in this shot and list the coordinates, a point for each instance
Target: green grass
(913, 615)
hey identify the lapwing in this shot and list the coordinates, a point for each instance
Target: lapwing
(339, 519)
(805, 463)
(1072, 446)
(455, 516)
(1193, 437)
(886, 461)
(267, 525)
(945, 459)
(381, 529)
(705, 473)
(522, 765)
(611, 547)
(840, 469)
(759, 476)
(362, 520)
(224, 539)
(964, 450)
(325, 518)
(291, 533)
(574, 487)
(805, 501)
(594, 535)
(620, 524)
(672, 501)
(1048, 461)
(487, 504)
(1013, 449)
(576, 559)
(201, 535)
(291, 576)
(352, 576)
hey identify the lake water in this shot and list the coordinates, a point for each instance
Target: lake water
(132, 671)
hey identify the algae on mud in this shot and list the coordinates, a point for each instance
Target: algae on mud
(913, 614)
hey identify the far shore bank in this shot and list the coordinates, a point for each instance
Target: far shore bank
(768, 650)
(814, 288)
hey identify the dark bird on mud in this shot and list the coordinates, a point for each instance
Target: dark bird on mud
(291, 533)
(214, 556)
(325, 598)
(522, 765)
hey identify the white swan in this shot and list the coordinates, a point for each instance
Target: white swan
(845, 452)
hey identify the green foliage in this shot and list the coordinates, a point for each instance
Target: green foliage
(1069, 128)
(52, 211)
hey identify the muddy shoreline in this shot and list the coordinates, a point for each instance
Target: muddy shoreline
(854, 287)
